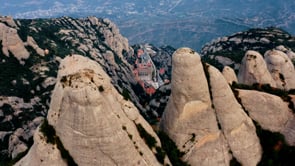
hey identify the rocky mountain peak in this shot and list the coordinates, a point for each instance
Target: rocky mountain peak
(89, 117)
(187, 64)
(235, 124)
(234, 121)
(281, 68)
(253, 69)
(8, 20)
(189, 119)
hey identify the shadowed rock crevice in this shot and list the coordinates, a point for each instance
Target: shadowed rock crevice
(50, 135)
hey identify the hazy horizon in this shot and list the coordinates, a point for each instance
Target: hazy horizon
(167, 22)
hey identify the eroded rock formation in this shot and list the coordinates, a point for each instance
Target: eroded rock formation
(229, 74)
(254, 70)
(94, 123)
(189, 118)
(206, 122)
(42, 153)
(11, 42)
(281, 69)
(236, 126)
(31, 42)
(270, 112)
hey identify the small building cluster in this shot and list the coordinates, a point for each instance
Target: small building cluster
(146, 72)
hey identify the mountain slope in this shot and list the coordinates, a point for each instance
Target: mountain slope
(27, 81)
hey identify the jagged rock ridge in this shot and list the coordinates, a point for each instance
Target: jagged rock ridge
(275, 70)
(229, 50)
(96, 38)
(27, 79)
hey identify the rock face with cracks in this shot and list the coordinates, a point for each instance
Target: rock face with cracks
(94, 123)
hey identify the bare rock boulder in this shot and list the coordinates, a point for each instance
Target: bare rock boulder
(281, 68)
(254, 70)
(31, 42)
(270, 112)
(229, 74)
(287, 51)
